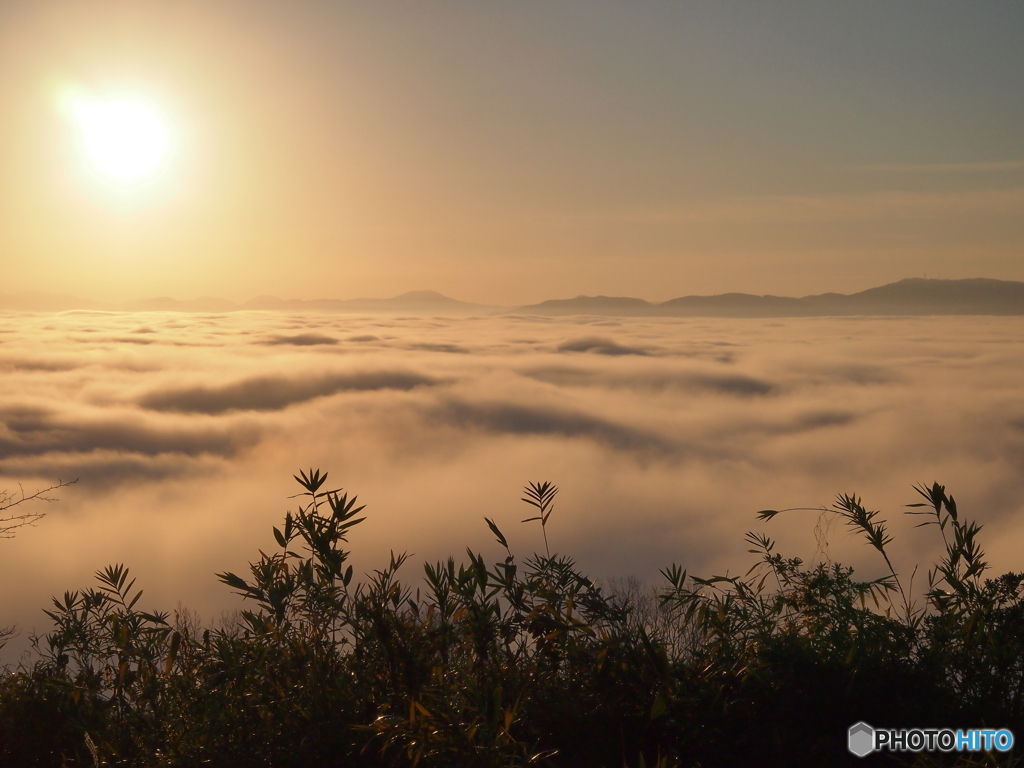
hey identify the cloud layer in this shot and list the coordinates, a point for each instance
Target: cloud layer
(275, 393)
(665, 435)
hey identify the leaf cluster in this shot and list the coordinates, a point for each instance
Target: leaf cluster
(521, 661)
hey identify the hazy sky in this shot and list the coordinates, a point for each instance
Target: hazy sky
(518, 151)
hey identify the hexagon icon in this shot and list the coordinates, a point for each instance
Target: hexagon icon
(861, 739)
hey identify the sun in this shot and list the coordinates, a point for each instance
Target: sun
(125, 139)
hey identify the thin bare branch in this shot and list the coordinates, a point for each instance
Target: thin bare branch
(9, 524)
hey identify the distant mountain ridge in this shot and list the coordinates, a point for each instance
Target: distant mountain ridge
(912, 296)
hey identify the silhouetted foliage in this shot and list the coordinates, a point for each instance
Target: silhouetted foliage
(518, 663)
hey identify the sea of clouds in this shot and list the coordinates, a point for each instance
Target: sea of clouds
(664, 435)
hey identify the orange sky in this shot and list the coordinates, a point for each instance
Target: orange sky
(510, 153)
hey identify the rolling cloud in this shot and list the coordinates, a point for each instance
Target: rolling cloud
(664, 434)
(36, 432)
(600, 346)
(517, 419)
(303, 340)
(273, 393)
(723, 383)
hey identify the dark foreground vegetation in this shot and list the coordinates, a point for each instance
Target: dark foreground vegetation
(525, 663)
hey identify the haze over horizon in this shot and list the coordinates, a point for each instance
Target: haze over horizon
(907, 297)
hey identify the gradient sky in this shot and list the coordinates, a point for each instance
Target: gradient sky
(514, 152)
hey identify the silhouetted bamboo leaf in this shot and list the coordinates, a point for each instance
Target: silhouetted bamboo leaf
(498, 534)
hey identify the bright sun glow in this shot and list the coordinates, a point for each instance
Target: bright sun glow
(126, 139)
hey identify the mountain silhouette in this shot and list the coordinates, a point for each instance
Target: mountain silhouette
(912, 296)
(592, 305)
